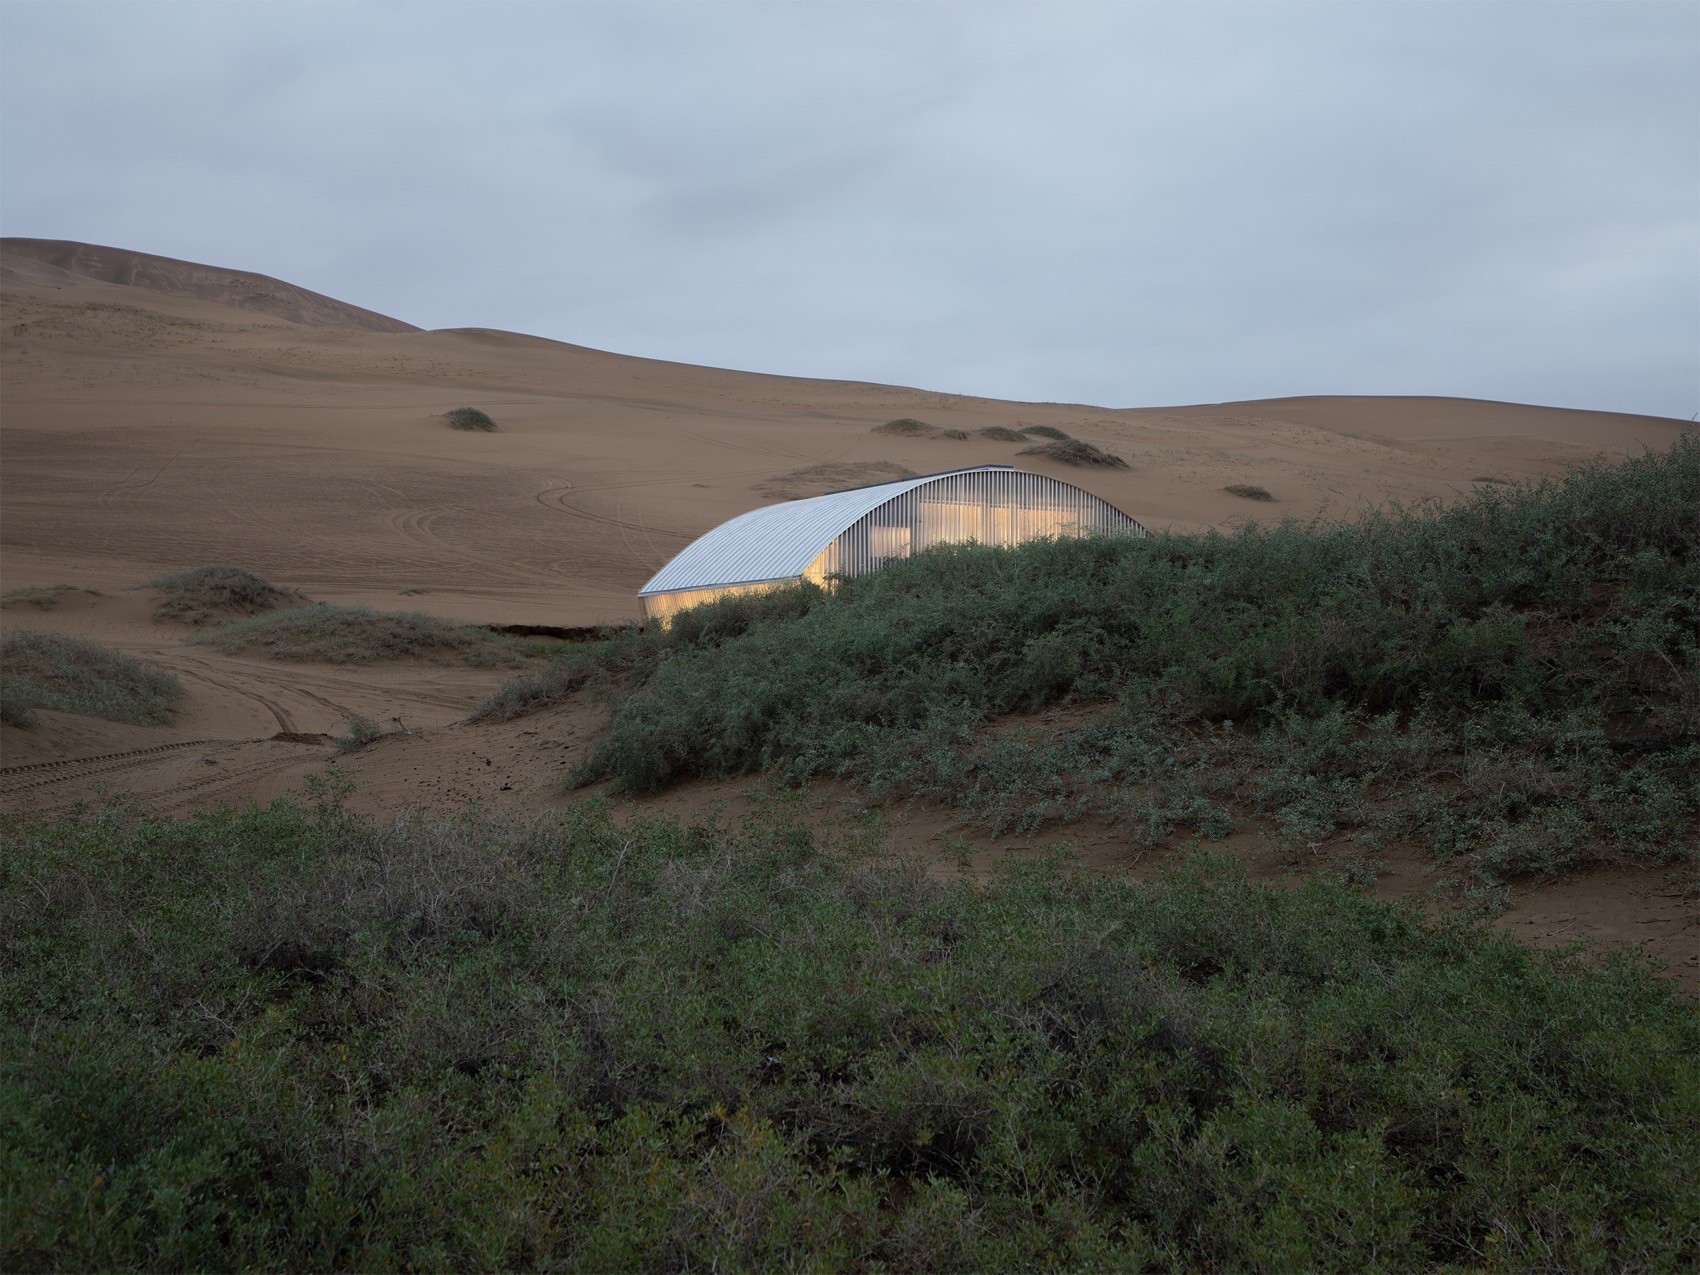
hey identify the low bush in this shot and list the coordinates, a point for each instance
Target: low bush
(906, 425)
(1074, 452)
(1249, 491)
(288, 1038)
(71, 675)
(359, 635)
(469, 418)
(630, 656)
(1043, 431)
(1002, 434)
(362, 731)
(214, 593)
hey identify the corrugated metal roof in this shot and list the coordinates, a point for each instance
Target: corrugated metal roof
(777, 542)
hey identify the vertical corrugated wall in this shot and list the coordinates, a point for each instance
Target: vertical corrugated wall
(993, 507)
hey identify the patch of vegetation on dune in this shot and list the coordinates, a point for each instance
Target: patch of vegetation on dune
(213, 593)
(1044, 431)
(906, 426)
(1249, 491)
(1074, 452)
(1002, 434)
(289, 1038)
(469, 418)
(359, 635)
(71, 675)
(1513, 681)
(43, 597)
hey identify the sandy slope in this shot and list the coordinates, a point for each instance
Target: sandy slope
(159, 415)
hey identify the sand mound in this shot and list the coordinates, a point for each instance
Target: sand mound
(216, 592)
(58, 262)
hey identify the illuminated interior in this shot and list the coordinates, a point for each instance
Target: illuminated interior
(993, 507)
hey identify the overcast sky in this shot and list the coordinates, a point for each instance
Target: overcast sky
(1128, 204)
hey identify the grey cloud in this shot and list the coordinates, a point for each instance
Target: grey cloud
(1119, 203)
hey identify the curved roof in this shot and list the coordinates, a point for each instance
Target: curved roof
(777, 542)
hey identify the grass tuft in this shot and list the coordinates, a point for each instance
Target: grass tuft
(1248, 491)
(215, 592)
(469, 418)
(1043, 431)
(1002, 434)
(905, 426)
(359, 635)
(71, 675)
(1075, 452)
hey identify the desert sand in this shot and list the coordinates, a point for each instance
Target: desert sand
(158, 415)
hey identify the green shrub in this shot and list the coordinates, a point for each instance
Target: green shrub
(359, 635)
(288, 1038)
(469, 418)
(631, 655)
(362, 730)
(71, 675)
(1002, 434)
(1249, 491)
(215, 592)
(906, 425)
(1075, 452)
(1043, 431)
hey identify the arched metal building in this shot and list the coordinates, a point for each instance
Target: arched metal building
(859, 530)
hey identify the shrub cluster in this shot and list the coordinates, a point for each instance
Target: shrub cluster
(1072, 451)
(71, 675)
(1531, 654)
(1249, 491)
(469, 418)
(216, 592)
(286, 1038)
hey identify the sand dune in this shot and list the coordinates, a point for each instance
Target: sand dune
(159, 415)
(165, 421)
(61, 263)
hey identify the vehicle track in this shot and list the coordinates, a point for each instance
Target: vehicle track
(42, 774)
(285, 720)
(180, 795)
(225, 778)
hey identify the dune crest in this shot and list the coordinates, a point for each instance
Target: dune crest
(64, 263)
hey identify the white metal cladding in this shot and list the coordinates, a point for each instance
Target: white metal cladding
(849, 532)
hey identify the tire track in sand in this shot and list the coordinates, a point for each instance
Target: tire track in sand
(43, 774)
